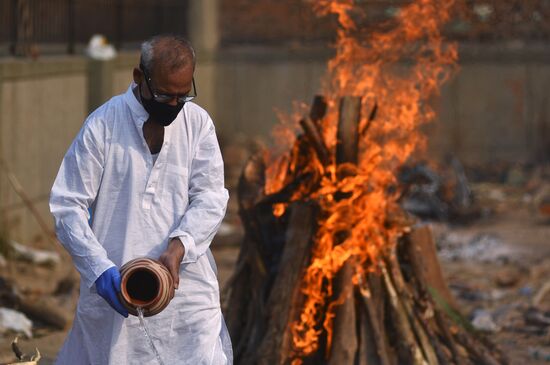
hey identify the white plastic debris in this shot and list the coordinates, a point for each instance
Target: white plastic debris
(483, 321)
(11, 320)
(39, 257)
(483, 11)
(99, 48)
(484, 247)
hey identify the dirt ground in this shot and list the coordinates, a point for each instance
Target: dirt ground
(495, 267)
(499, 289)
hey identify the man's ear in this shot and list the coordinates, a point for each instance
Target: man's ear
(138, 75)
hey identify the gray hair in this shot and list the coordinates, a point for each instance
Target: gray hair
(171, 51)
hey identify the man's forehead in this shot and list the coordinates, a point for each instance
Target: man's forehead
(165, 70)
(173, 81)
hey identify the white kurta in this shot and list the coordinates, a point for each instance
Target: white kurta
(138, 205)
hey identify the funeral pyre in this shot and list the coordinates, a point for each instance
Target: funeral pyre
(332, 269)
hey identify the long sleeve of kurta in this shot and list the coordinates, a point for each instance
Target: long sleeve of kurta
(207, 197)
(73, 192)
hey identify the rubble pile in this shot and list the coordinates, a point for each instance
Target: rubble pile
(38, 293)
(498, 266)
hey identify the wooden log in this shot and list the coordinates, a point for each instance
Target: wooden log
(243, 316)
(236, 309)
(425, 264)
(316, 141)
(407, 300)
(44, 309)
(312, 129)
(344, 335)
(427, 316)
(347, 134)
(480, 352)
(459, 342)
(251, 183)
(285, 194)
(448, 339)
(427, 328)
(372, 116)
(374, 349)
(318, 110)
(367, 349)
(344, 341)
(410, 351)
(284, 303)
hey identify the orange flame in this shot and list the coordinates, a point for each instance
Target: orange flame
(400, 70)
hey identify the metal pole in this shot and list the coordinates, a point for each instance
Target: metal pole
(119, 23)
(159, 15)
(14, 26)
(71, 14)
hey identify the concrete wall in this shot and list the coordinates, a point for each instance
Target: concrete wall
(250, 85)
(42, 105)
(496, 108)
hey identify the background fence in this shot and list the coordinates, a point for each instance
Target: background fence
(294, 21)
(59, 26)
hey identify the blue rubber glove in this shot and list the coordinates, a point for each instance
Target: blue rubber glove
(108, 286)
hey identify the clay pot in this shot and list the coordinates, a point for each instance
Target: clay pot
(145, 283)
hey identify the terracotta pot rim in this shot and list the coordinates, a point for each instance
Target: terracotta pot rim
(124, 291)
(162, 277)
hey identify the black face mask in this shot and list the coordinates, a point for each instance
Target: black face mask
(161, 113)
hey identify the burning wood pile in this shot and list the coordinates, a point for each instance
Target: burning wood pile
(332, 269)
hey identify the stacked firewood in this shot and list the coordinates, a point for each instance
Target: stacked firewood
(400, 312)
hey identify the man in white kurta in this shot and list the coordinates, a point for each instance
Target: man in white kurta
(140, 203)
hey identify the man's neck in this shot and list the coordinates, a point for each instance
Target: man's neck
(154, 136)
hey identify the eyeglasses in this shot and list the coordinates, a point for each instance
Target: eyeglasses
(165, 98)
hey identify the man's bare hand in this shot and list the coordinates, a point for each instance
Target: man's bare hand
(171, 258)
